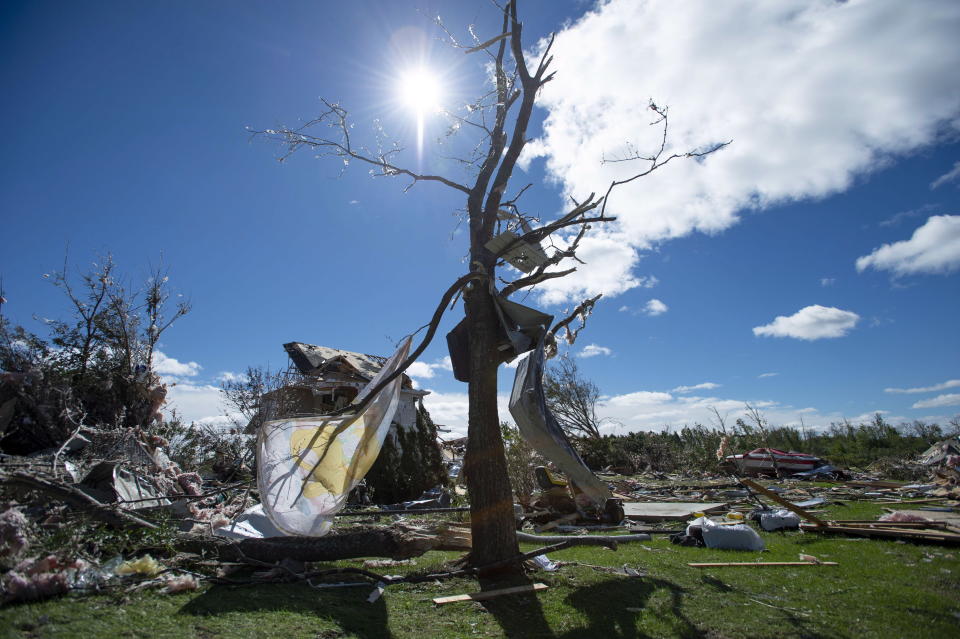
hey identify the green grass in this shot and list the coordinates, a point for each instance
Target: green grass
(880, 589)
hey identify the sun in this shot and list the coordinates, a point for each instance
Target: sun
(420, 90)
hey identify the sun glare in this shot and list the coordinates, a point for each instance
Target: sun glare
(420, 90)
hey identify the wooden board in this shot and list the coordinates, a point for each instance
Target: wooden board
(489, 594)
(668, 510)
(783, 502)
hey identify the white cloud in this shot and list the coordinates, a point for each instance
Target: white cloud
(610, 260)
(811, 93)
(655, 307)
(950, 383)
(194, 402)
(827, 281)
(420, 369)
(763, 375)
(949, 399)
(227, 376)
(811, 323)
(168, 366)
(592, 350)
(703, 386)
(950, 176)
(934, 248)
(424, 370)
(452, 410)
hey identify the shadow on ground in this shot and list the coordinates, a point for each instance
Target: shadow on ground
(614, 609)
(519, 615)
(328, 608)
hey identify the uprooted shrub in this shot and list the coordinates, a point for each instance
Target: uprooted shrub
(95, 368)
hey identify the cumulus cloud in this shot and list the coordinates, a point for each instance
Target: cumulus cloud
(934, 248)
(811, 323)
(451, 410)
(423, 370)
(592, 350)
(194, 402)
(808, 91)
(655, 307)
(948, 399)
(950, 176)
(703, 386)
(827, 281)
(950, 383)
(169, 366)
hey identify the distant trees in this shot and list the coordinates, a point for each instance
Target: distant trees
(96, 368)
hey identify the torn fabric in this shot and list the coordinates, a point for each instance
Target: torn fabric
(306, 467)
(540, 428)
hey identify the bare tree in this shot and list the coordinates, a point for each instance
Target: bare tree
(499, 118)
(572, 398)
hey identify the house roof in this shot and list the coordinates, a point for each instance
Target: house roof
(314, 360)
(317, 361)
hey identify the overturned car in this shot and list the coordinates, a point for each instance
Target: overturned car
(770, 461)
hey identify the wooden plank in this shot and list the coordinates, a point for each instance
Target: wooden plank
(763, 563)
(902, 533)
(490, 594)
(783, 502)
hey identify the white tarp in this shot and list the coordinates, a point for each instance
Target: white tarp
(306, 467)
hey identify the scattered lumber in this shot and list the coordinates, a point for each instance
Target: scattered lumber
(490, 594)
(888, 530)
(723, 564)
(783, 502)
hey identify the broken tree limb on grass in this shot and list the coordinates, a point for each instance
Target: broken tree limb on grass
(395, 542)
(490, 594)
(783, 502)
(610, 541)
(723, 564)
(111, 515)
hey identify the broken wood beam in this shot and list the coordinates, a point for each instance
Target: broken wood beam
(490, 594)
(762, 563)
(783, 502)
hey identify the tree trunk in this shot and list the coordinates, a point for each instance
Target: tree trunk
(485, 468)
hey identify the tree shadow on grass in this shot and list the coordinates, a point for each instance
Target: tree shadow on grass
(612, 606)
(346, 608)
(803, 626)
(519, 615)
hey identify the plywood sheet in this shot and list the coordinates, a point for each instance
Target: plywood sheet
(667, 510)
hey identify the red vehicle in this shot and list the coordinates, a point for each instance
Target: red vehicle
(767, 461)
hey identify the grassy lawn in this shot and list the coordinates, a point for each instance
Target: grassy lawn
(880, 589)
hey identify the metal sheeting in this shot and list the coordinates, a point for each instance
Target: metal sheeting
(541, 430)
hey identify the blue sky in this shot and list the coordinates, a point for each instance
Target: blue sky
(126, 133)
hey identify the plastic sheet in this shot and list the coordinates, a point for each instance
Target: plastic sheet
(308, 466)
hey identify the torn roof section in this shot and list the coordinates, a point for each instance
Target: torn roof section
(333, 364)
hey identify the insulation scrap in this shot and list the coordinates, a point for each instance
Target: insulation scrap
(145, 565)
(13, 532)
(902, 515)
(35, 579)
(179, 583)
(191, 483)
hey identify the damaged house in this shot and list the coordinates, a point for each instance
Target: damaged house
(322, 379)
